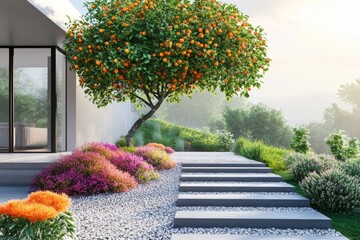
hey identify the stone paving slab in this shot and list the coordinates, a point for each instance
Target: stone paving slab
(252, 219)
(240, 177)
(242, 200)
(236, 187)
(227, 169)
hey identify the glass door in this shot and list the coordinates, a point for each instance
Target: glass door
(32, 99)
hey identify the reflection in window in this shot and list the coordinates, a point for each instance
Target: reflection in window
(32, 78)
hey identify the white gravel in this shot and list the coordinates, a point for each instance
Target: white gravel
(222, 208)
(225, 174)
(146, 212)
(255, 231)
(240, 193)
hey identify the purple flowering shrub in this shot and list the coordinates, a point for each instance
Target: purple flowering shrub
(135, 165)
(154, 156)
(83, 173)
(104, 149)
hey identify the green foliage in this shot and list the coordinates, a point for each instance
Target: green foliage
(121, 142)
(304, 166)
(181, 137)
(300, 140)
(226, 140)
(341, 148)
(60, 227)
(332, 190)
(260, 122)
(271, 156)
(351, 167)
(129, 50)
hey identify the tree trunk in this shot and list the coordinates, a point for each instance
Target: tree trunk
(140, 121)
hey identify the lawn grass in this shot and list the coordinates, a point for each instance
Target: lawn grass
(348, 224)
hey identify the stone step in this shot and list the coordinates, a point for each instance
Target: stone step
(17, 177)
(250, 237)
(228, 169)
(236, 187)
(247, 177)
(225, 164)
(24, 165)
(242, 200)
(251, 219)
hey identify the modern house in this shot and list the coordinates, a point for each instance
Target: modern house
(42, 107)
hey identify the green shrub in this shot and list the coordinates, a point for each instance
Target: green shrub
(139, 139)
(302, 167)
(158, 131)
(300, 140)
(226, 140)
(351, 167)
(179, 145)
(341, 148)
(332, 191)
(293, 157)
(121, 142)
(271, 156)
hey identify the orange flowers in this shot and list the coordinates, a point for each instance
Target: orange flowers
(61, 202)
(38, 206)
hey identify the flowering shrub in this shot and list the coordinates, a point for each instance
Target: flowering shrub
(83, 173)
(160, 146)
(42, 215)
(135, 165)
(104, 149)
(332, 190)
(154, 156)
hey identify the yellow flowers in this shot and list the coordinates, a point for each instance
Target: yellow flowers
(38, 206)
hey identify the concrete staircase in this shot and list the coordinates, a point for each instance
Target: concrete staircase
(237, 185)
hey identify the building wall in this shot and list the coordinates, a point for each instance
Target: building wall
(105, 124)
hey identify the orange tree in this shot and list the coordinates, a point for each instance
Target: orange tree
(148, 51)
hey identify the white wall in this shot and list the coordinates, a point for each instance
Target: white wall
(105, 124)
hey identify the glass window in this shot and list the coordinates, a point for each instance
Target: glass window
(32, 99)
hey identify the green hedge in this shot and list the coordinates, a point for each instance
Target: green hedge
(155, 130)
(273, 157)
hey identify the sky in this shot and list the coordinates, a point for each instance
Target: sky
(314, 47)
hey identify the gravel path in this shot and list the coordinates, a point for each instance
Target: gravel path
(146, 212)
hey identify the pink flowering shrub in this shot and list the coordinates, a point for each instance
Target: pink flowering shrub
(104, 149)
(135, 165)
(160, 146)
(154, 156)
(83, 173)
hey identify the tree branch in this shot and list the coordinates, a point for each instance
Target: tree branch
(148, 96)
(149, 104)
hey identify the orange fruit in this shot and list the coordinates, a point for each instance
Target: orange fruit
(127, 50)
(101, 30)
(164, 60)
(75, 58)
(97, 62)
(116, 61)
